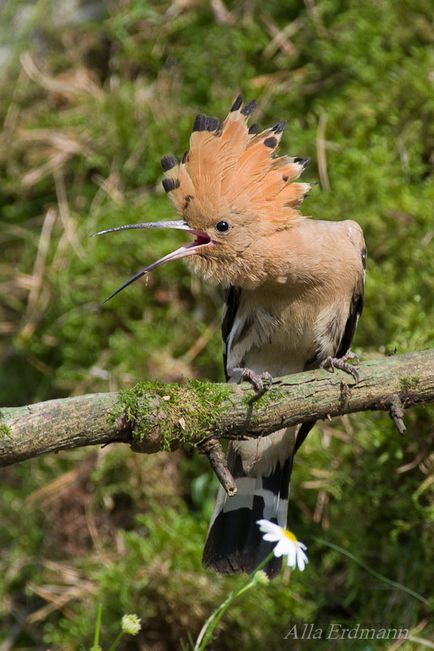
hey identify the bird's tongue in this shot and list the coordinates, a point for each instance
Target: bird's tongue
(201, 238)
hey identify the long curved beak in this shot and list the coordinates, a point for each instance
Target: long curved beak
(202, 240)
(176, 223)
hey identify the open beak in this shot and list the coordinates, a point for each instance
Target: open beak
(201, 240)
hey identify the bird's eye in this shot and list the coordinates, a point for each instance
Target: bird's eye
(222, 227)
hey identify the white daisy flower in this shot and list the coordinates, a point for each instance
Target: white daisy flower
(287, 544)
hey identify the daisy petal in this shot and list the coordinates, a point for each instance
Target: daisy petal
(291, 556)
(301, 560)
(280, 549)
(271, 537)
(269, 527)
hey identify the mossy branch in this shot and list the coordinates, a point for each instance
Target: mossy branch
(153, 416)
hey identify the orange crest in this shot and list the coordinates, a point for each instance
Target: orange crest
(230, 168)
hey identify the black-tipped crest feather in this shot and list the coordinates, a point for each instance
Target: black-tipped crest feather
(237, 103)
(168, 162)
(270, 142)
(205, 123)
(170, 184)
(249, 108)
(279, 126)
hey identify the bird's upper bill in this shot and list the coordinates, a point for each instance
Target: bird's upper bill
(230, 189)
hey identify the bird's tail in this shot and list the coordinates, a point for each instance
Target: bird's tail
(234, 543)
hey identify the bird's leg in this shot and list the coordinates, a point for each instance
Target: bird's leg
(330, 363)
(261, 383)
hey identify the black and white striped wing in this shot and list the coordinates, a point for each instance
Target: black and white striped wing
(232, 302)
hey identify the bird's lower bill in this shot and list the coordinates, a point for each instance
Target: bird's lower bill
(201, 242)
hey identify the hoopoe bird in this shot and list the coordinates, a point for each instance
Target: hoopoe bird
(293, 295)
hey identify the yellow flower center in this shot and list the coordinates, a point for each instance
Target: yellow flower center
(289, 535)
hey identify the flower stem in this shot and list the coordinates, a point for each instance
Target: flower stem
(115, 644)
(206, 633)
(97, 628)
(377, 575)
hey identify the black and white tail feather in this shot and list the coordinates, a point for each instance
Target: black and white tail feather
(234, 542)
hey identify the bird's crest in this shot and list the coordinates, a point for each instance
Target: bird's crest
(230, 166)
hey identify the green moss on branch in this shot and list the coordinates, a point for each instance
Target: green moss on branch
(5, 430)
(409, 383)
(184, 412)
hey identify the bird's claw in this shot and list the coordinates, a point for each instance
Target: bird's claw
(260, 382)
(330, 363)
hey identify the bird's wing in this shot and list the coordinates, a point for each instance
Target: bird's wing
(232, 302)
(356, 307)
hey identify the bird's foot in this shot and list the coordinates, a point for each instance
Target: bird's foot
(330, 363)
(260, 382)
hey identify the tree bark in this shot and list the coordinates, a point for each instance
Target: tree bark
(153, 417)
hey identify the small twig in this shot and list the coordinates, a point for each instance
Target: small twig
(345, 393)
(200, 343)
(35, 306)
(396, 412)
(280, 38)
(222, 14)
(312, 10)
(217, 458)
(322, 153)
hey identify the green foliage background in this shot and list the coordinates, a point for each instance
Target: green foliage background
(88, 105)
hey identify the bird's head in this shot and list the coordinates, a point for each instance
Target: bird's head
(234, 195)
